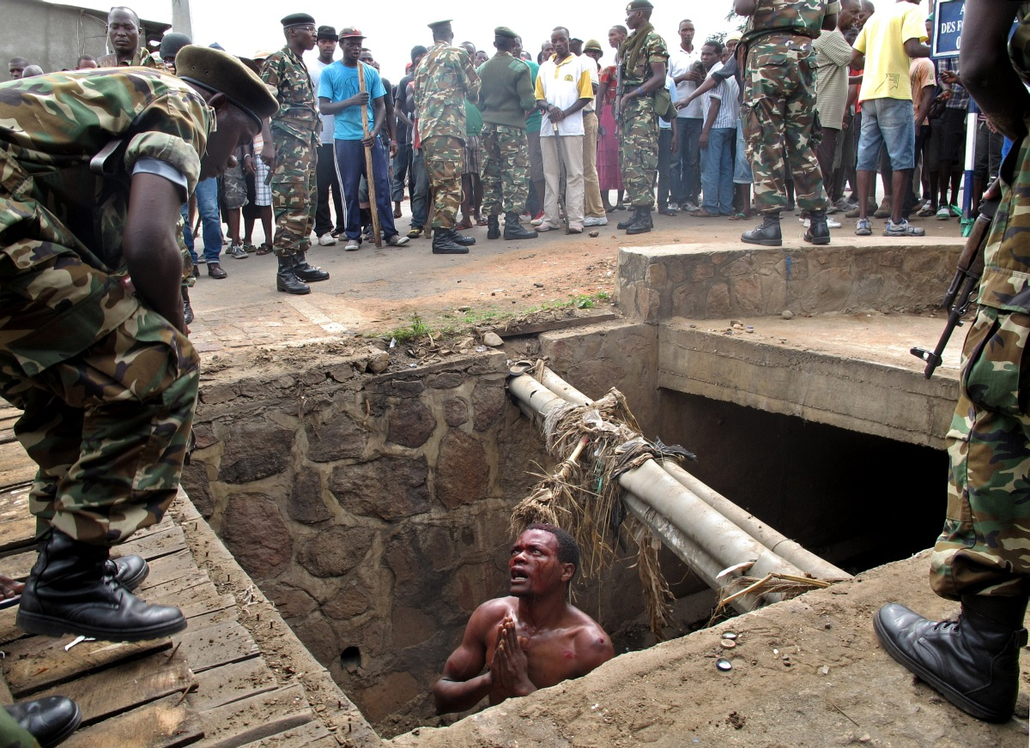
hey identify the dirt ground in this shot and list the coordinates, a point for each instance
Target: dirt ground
(375, 292)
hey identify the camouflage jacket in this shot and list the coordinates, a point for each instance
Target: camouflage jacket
(1006, 277)
(444, 79)
(654, 50)
(52, 204)
(142, 59)
(298, 108)
(803, 17)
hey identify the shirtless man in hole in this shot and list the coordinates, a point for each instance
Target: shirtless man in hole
(529, 640)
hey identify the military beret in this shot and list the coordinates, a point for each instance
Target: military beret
(351, 33)
(594, 45)
(297, 19)
(171, 43)
(418, 50)
(327, 32)
(505, 31)
(436, 24)
(639, 5)
(222, 73)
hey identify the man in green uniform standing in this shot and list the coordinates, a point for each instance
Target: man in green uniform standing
(505, 98)
(643, 59)
(443, 80)
(290, 150)
(779, 110)
(123, 29)
(981, 557)
(94, 168)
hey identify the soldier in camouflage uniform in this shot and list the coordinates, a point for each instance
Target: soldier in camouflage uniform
(92, 337)
(779, 114)
(123, 30)
(443, 80)
(982, 556)
(505, 98)
(643, 58)
(290, 150)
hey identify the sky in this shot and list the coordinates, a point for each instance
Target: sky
(393, 27)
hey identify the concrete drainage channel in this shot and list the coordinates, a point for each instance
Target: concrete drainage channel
(373, 509)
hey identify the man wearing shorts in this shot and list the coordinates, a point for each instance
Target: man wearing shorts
(887, 42)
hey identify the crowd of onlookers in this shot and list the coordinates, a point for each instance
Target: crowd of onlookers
(702, 167)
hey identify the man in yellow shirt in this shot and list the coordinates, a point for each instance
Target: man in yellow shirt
(885, 47)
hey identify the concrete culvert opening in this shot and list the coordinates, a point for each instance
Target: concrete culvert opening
(373, 509)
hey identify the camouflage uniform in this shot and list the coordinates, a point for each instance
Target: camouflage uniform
(779, 112)
(638, 123)
(295, 130)
(107, 386)
(504, 144)
(984, 548)
(143, 58)
(443, 80)
(12, 735)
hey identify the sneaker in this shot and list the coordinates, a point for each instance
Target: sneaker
(396, 240)
(537, 221)
(674, 206)
(902, 228)
(689, 207)
(353, 245)
(326, 240)
(943, 214)
(863, 227)
(237, 252)
(415, 232)
(541, 227)
(830, 223)
(595, 221)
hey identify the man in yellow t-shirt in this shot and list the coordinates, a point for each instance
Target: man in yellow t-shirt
(885, 47)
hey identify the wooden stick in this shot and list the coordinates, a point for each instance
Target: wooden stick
(369, 173)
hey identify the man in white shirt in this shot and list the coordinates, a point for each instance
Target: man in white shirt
(563, 88)
(684, 67)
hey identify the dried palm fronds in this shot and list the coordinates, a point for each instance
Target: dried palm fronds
(787, 585)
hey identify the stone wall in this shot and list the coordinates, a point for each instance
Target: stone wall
(373, 511)
(701, 281)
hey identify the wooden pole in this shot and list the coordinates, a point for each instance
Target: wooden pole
(377, 234)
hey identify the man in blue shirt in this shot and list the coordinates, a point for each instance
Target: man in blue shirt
(339, 94)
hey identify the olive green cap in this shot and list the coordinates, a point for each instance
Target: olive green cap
(222, 73)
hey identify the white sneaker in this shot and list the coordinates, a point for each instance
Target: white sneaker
(830, 223)
(396, 240)
(353, 245)
(689, 207)
(326, 240)
(595, 221)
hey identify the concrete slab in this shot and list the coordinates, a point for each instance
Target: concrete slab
(853, 371)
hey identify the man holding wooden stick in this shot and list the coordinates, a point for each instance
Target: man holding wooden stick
(354, 93)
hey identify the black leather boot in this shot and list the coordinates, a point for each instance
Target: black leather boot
(50, 720)
(465, 241)
(629, 220)
(818, 232)
(972, 661)
(513, 228)
(286, 280)
(493, 227)
(768, 234)
(641, 222)
(444, 244)
(306, 272)
(128, 571)
(71, 591)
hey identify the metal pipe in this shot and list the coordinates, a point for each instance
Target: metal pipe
(771, 538)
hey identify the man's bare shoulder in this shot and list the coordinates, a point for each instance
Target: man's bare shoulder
(590, 639)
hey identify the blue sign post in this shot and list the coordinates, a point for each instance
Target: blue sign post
(948, 16)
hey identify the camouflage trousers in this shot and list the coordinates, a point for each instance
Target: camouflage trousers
(444, 160)
(984, 548)
(638, 150)
(780, 123)
(12, 735)
(505, 169)
(107, 423)
(294, 193)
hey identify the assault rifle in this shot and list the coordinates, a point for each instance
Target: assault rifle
(963, 285)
